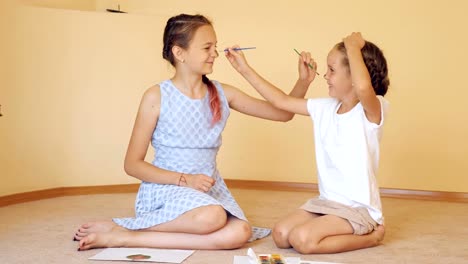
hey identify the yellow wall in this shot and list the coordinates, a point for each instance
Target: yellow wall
(88, 5)
(71, 81)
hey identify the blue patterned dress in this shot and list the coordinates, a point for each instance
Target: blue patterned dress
(185, 141)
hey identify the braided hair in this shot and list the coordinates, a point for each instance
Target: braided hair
(375, 63)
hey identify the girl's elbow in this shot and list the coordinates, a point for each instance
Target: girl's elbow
(288, 117)
(285, 116)
(129, 168)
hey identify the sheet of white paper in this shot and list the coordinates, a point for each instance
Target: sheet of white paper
(252, 256)
(143, 254)
(241, 260)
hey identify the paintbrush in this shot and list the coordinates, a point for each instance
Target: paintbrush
(247, 48)
(312, 67)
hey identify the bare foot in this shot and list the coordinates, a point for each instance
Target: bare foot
(96, 227)
(102, 240)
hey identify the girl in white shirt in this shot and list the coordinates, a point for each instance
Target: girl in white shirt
(347, 215)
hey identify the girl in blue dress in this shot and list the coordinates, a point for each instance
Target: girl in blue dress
(183, 202)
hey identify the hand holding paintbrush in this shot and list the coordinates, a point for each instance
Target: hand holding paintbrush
(236, 57)
(310, 65)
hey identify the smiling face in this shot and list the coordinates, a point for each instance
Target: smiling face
(201, 53)
(338, 76)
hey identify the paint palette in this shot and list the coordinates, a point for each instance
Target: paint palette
(271, 259)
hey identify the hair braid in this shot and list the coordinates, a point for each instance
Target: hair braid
(215, 105)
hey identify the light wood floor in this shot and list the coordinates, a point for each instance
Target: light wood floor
(417, 231)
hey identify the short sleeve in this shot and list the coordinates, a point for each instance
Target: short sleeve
(384, 106)
(316, 106)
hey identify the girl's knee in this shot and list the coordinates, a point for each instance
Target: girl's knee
(236, 236)
(302, 242)
(210, 219)
(280, 236)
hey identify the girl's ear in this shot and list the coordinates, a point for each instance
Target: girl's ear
(178, 53)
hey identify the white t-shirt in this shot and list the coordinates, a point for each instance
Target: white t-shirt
(347, 152)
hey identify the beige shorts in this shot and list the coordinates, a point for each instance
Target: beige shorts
(358, 217)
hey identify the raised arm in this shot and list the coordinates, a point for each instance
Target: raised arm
(360, 77)
(270, 92)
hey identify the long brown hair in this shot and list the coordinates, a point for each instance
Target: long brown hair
(179, 31)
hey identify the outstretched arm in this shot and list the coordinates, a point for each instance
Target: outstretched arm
(360, 77)
(252, 106)
(270, 92)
